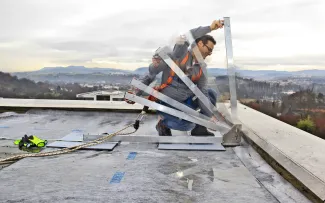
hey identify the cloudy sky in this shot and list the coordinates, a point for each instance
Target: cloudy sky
(277, 34)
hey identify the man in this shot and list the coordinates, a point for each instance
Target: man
(173, 87)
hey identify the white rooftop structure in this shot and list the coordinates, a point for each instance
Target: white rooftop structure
(102, 95)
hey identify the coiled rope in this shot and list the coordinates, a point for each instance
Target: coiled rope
(69, 149)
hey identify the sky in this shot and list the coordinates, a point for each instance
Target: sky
(279, 35)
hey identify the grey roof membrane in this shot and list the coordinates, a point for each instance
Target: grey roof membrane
(132, 172)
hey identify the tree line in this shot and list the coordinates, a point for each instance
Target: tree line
(12, 87)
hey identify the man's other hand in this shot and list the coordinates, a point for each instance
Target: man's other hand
(216, 24)
(214, 119)
(155, 62)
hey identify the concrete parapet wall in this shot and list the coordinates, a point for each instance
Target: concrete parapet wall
(297, 155)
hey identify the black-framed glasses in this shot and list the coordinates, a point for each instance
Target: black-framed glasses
(209, 49)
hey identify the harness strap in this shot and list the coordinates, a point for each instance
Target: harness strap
(172, 75)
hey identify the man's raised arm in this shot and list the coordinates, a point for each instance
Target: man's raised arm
(154, 69)
(182, 41)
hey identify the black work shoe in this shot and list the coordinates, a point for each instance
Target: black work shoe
(201, 131)
(163, 130)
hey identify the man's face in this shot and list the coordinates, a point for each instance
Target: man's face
(205, 49)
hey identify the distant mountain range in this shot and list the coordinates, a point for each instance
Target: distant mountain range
(143, 70)
(81, 73)
(78, 70)
(269, 73)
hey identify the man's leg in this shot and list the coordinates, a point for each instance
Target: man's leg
(168, 122)
(162, 129)
(176, 123)
(201, 130)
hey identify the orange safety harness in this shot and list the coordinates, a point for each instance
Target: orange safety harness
(171, 76)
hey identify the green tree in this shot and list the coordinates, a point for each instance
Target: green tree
(307, 125)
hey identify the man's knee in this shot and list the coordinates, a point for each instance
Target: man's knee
(178, 124)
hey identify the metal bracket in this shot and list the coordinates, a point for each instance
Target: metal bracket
(233, 136)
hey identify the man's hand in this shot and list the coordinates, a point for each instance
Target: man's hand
(180, 40)
(216, 24)
(214, 119)
(156, 61)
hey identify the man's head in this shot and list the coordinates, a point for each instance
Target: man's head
(205, 44)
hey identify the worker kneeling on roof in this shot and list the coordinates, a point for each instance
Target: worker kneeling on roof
(173, 87)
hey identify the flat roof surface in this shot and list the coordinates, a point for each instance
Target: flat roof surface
(235, 175)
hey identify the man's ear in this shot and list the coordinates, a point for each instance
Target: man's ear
(200, 43)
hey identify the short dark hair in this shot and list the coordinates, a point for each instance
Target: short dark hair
(205, 39)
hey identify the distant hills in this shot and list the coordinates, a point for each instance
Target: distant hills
(268, 74)
(78, 70)
(12, 87)
(83, 74)
(78, 74)
(143, 70)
